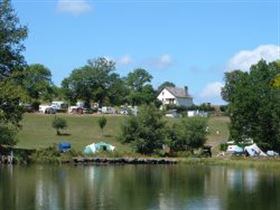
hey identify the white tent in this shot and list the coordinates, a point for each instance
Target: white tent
(234, 148)
(254, 150)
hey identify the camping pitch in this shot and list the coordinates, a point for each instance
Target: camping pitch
(101, 146)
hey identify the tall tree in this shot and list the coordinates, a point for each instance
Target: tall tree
(37, 82)
(254, 104)
(91, 82)
(140, 88)
(12, 35)
(165, 84)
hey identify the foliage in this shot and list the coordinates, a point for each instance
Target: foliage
(102, 121)
(11, 61)
(58, 124)
(164, 85)
(7, 134)
(224, 108)
(95, 82)
(140, 89)
(146, 131)
(254, 104)
(37, 82)
(46, 155)
(11, 36)
(187, 134)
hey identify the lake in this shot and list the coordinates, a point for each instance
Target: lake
(129, 187)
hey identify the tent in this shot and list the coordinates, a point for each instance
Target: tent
(254, 150)
(234, 149)
(101, 146)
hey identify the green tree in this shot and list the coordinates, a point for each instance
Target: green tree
(140, 89)
(96, 82)
(37, 82)
(12, 35)
(146, 131)
(12, 61)
(102, 121)
(164, 85)
(59, 124)
(188, 134)
(254, 107)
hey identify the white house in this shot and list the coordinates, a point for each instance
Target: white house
(176, 96)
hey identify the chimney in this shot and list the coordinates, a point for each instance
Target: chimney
(186, 90)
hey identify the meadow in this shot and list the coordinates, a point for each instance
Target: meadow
(37, 131)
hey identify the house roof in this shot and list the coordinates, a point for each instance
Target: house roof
(178, 92)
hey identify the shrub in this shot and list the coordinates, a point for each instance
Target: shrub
(188, 134)
(102, 121)
(146, 131)
(58, 124)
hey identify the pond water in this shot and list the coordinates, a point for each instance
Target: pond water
(141, 187)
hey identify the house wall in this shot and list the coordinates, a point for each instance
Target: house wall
(184, 101)
(164, 96)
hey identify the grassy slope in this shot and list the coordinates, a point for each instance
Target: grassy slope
(83, 129)
(37, 131)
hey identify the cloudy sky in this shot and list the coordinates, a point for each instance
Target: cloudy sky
(187, 42)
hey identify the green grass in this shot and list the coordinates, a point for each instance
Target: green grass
(37, 131)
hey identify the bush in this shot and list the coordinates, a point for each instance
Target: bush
(223, 147)
(188, 134)
(146, 131)
(58, 124)
(102, 121)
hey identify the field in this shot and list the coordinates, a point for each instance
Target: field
(82, 130)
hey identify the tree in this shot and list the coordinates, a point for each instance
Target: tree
(102, 121)
(12, 61)
(140, 89)
(37, 82)
(164, 85)
(146, 131)
(188, 134)
(11, 36)
(253, 106)
(95, 81)
(59, 124)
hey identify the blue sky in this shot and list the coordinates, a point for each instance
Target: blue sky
(186, 42)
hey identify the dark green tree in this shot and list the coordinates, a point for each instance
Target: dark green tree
(12, 61)
(165, 84)
(253, 106)
(37, 82)
(59, 124)
(96, 82)
(140, 89)
(146, 131)
(102, 121)
(12, 35)
(188, 134)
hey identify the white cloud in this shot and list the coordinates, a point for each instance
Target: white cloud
(164, 61)
(74, 7)
(212, 90)
(124, 60)
(244, 59)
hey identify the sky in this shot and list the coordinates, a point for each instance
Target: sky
(188, 42)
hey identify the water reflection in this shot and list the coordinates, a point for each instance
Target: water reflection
(137, 187)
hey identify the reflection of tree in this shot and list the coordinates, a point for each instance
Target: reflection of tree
(137, 187)
(255, 191)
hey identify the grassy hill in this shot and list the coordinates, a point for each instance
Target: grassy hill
(37, 131)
